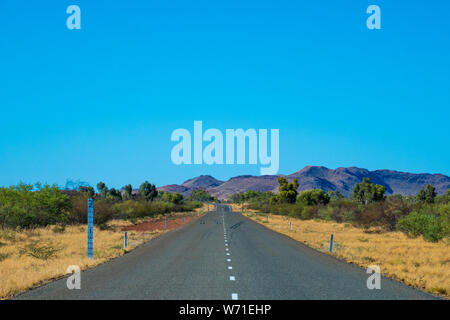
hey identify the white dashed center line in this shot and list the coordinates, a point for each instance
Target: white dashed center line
(234, 296)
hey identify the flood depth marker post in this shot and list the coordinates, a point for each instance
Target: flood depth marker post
(90, 244)
(331, 243)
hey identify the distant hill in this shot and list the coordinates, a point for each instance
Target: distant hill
(316, 177)
(201, 182)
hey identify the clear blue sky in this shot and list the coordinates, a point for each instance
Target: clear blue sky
(100, 103)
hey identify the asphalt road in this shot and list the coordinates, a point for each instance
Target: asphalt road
(225, 256)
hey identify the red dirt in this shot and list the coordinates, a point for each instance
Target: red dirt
(159, 224)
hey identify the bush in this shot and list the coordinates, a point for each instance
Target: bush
(189, 206)
(201, 195)
(444, 213)
(326, 213)
(103, 210)
(313, 197)
(309, 212)
(138, 209)
(39, 250)
(23, 207)
(422, 223)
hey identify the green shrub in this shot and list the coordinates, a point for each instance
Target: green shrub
(326, 213)
(132, 210)
(313, 197)
(23, 207)
(103, 210)
(444, 213)
(308, 212)
(201, 195)
(422, 223)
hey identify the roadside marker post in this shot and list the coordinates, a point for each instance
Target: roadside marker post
(90, 235)
(183, 217)
(125, 238)
(331, 243)
(267, 219)
(166, 223)
(290, 225)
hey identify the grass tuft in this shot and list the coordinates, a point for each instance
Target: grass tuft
(40, 250)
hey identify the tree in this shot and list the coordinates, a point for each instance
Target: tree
(335, 195)
(201, 195)
(114, 195)
(430, 194)
(177, 198)
(148, 191)
(444, 199)
(421, 196)
(367, 192)
(127, 191)
(88, 190)
(102, 189)
(166, 196)
(313, 197)
(287, 191)
(426, 195)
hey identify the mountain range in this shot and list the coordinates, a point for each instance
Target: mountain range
(316, 177)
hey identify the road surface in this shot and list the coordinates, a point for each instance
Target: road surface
(225, 255)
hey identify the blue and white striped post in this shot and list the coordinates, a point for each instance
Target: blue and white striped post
(125, 240)
(331, 243)
(90, 235)
(290, 225)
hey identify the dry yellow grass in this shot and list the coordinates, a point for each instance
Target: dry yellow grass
(19, 271)
(415, 262)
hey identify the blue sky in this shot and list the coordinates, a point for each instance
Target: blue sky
(100, 103)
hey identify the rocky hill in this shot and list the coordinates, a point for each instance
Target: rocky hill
(316, 177)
